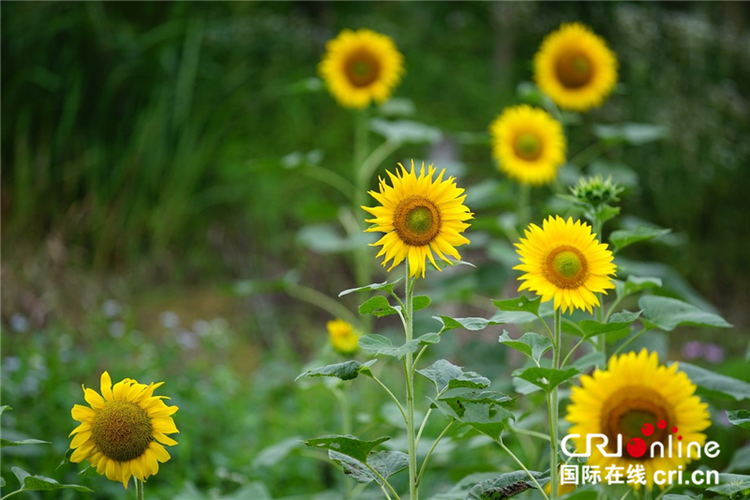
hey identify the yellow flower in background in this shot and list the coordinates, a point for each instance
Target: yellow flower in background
(419, 216)
(360, 67)
(122, 433)
(528, 144)
(575, 68)
(344, 338)
(564, 261)
(638, 398)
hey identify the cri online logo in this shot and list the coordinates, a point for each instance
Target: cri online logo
(637, 447)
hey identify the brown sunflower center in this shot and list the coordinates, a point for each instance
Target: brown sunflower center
(574, 70)
(362, 68)
(628, 409)
(527, 146)
(566, 267)
(121, 430)
(417, 221)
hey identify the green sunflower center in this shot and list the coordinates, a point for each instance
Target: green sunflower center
(574, 70)
(528, 146)
(627, 409)
(417, 221)
(566, 267)
(122, 430)
(362, 68)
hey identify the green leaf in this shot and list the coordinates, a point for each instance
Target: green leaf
(675, 496)
(740, 418)
(667, 314)
(42, 483)
(378, 344)
(461, 488)
(503, 486)
(347, 370)
(588, 360)
(635, 285)
(624, 237)
(714, 384)
(519, 304)
(531, 344)
(2, 481)
(489, 418)
(473, 324)
(546, 378)
(272, 455)
(3, 408)
(458, 401)
(388, 287)
(378, 306)
(731, 485)
(346, 445)
(387, 463)
(446, 375)
(631, 133)
(740, 460)
(405, 131)
(8, 442)
(618, 321)
(420, 302)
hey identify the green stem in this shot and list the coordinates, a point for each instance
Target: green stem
(383, 481)
(376, 158)
(138, 489)
(528, 432)
(11, 494)
(565, 361)
(346, 423)
(588, 154)
(393, 396)
(553, 408)
(514, 457)
(409, 374)
(429, 453)
(331, 178)
(627, 342)
(601, 340)
(612, 307)
(362, 259)
(524, 204)
(424, 423)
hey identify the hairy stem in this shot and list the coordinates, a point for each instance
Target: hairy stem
(553, 408)
(409, 374)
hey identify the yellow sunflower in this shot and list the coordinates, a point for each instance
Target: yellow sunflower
(564, 261)
(575, 68)
(419, 216)
(639, 399)
(123, 432)
(528, 143)
(360, 67)
(344, 338)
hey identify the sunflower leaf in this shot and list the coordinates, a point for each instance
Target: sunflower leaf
(740, 418)
(378, 306)
(666, 314)
(519, 304)
(630, 133)
(42, 483)
(714, 384)
(531, 344)
(617, 322)
(347, 445)
(445, 375)
(481, 410)
(473, 324)
(386, 463)
(420, 302)
(503, 486)
(8, 442)
(624, 237)
(732, 485)
(546, 378)
(3, 408)
(378, 344)
(347, 370)
(388, 287)
(635, 285)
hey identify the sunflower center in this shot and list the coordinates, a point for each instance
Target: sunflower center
(528, 146)
(574, 70)
(417, 221)
(627, 409)
(362, 68)
(566, 267)
(122, 430)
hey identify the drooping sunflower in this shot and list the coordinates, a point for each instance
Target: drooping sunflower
(419, 216)
(123, 431)
(344, 338)
(638, 398)
(528, 144)
(564, 261)
(360, 67)
(575, 67)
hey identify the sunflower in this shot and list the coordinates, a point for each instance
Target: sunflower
(419, 216)
(123, 432)
(344, 338)
(564, 261)
(638, 398)
(528, 143)
(361, 66)
(575, 68)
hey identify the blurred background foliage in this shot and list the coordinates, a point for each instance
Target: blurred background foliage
(146, 154)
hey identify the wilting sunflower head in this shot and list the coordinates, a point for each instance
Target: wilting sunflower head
(344, 338)
(638, 398)
(360, 67)
(528, 144)
(419, 215)
(575, 68)
(123, 431)
(564, 261)
(596, 190)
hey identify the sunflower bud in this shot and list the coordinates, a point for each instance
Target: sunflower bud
(596, 191)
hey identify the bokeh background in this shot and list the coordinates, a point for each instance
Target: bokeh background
(154, 208)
